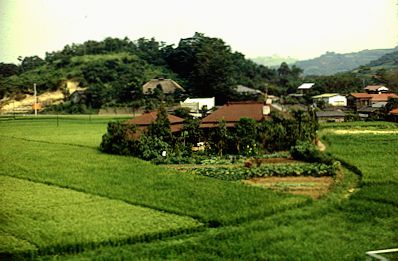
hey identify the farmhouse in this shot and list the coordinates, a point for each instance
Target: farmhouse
(146, 119)
(331, 99)
(232, 112)
(166, 85)
(360, 100)
(366, 112)
(195, 105)
(330, 116)
(376, 89)
(241, 89)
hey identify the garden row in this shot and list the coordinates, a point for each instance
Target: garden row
(280, 170)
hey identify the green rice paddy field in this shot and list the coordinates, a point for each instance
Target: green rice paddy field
(63, 199)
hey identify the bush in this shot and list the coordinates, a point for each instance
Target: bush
(119, 139)
(308, 152)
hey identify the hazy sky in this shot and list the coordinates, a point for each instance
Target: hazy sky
(297, 28)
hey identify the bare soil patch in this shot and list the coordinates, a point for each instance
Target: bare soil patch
(278, 160)
(310, 186)
(365, 131)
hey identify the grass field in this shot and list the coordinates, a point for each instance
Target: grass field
(240, 221)
(55, 219)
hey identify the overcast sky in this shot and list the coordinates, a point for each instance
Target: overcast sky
(297, 28)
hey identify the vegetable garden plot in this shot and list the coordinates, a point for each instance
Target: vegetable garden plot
(61, 220)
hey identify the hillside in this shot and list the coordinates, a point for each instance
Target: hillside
(274, 60)
(389, 60)
(331, 62)
(114, 70)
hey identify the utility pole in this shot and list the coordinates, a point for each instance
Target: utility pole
(34, 88)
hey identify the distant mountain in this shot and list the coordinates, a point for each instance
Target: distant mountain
(274, 60)
(387, 61)
(331, 62)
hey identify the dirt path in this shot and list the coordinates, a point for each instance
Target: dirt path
(320, 145)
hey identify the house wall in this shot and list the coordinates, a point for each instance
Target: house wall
(209, 102)
(331, 119)
(337, 100)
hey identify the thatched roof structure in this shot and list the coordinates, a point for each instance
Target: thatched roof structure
(167, 86)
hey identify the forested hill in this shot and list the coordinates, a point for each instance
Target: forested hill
(331, 63)
(114, 69)
(274, 60)
(389, 60)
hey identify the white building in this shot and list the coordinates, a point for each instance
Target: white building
(331, 99)
(195, 105)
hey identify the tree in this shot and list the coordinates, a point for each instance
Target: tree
(161, 126)
(246, 136)
(191, 133)
(207, 65)
(219, 138)
(8, 69)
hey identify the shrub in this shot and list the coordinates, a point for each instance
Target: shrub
(119, 139)
(279, 170)
(308, 152)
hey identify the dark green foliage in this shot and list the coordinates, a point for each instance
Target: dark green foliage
(246, 136)
(115, 69)
(280, 133)
(119, 139)
(276, 170)
(182, 113)
(307, 151)
(160, 128)
(220, 138)
(8, 69)
(152, 147)
(122, 138)
(191, 133)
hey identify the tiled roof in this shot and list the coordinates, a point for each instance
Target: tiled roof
(361, 95)
(232, 112)
(321, 114)
(394, 112)
(374, 97)
(383, 96)
(148, 118)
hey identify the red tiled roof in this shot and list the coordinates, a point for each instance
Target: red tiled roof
(374, 97)
(394, 112)
(361, 95)
(150, 117)
(232, 112)
(383, 96)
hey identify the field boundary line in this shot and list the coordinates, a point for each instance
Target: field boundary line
(49, 142)
(49, 183)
